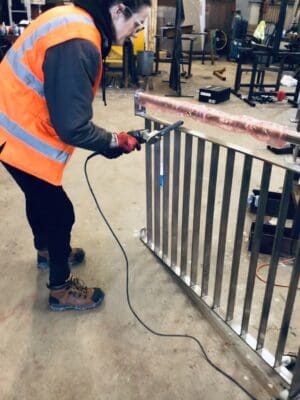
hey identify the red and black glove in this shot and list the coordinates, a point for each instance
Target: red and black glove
(127, 143)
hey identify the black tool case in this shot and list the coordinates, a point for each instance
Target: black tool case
(214, 94)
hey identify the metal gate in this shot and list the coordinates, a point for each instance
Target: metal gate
(205, 229)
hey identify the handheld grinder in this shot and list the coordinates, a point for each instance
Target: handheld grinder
(151, 137)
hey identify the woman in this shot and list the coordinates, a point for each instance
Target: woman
(48, 80)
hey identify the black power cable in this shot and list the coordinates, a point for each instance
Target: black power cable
(128, 297)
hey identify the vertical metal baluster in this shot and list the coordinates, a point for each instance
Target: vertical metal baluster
(288, 310)
(223, 227)
(296, 222)
(166, 193)
(197, 210)
(284, 204)
(186, 203)
(258, 232)
(149, 184)
(238, 240)
(157, 205)
(295, 386)
(213, 173)
(175, 197)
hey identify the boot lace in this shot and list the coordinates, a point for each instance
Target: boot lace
(78, 285)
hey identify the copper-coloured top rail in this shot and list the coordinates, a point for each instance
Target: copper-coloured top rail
(271, 133)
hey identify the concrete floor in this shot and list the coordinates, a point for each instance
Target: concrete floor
(106, 353)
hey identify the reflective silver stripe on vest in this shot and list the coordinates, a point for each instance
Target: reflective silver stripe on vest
(14, 58)
(32, 141)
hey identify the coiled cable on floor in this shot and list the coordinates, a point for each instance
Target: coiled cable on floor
(169, 335)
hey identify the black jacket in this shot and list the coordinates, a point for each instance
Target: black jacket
(70, 70)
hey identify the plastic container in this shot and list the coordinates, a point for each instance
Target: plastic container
(273, 204)
(287, 246)
(145, 60)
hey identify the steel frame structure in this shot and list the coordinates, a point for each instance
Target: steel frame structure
(195, 225)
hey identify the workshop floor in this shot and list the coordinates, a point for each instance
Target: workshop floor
(106, 354)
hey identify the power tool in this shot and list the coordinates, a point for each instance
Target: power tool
(150, 137)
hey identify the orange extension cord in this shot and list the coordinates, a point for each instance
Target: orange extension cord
(261, 266)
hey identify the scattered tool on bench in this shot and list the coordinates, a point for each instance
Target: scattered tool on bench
(145, 136)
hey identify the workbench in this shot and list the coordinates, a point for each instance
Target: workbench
(262, 62)
(187, 36)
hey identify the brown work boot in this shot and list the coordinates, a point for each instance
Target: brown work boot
(76, 257)
(74, 295)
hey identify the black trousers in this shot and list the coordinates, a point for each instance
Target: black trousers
(51, 216)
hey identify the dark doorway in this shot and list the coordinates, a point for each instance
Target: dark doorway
(219, 14)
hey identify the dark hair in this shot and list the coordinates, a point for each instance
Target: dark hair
(99, 10)
(133, 5)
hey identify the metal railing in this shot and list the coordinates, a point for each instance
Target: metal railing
(200, 226)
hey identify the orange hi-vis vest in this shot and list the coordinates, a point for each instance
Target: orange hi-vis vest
(28, 140)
